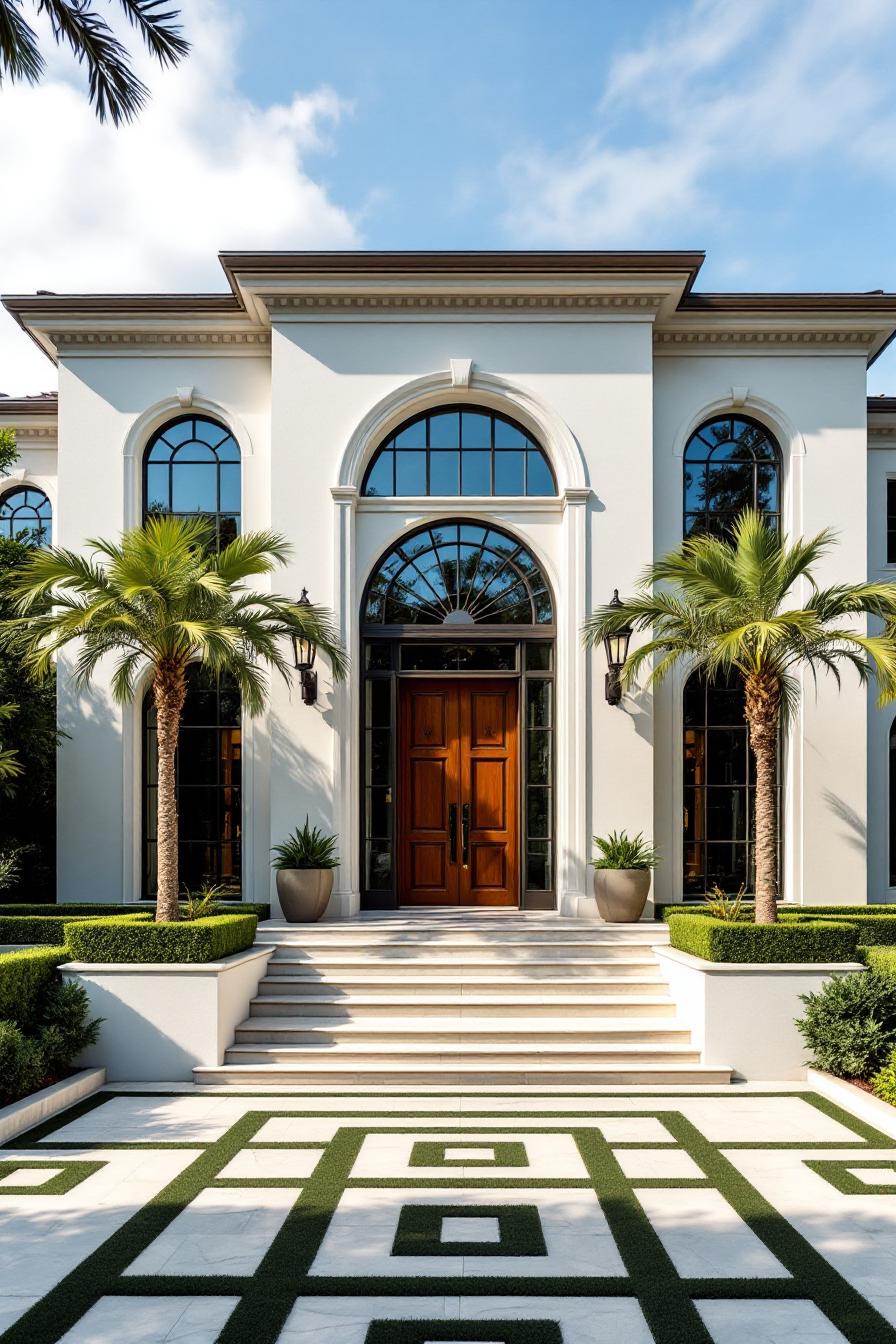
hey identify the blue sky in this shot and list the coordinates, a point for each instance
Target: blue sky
(759, 130)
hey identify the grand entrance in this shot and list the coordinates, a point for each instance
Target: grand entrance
(458, 807)
(457, 731)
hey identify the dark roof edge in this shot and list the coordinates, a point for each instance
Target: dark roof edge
(72, 304)
(882, 405)
(791, 302)
(46, 403)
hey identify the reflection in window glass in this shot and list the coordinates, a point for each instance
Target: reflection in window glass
(467, 452)
(26, 513)
(730, 464)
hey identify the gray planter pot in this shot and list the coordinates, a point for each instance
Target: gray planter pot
(304, 893)
(621, 893)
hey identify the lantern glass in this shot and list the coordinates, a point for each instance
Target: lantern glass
(304, 650)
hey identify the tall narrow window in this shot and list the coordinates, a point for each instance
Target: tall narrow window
(891, 522)
(26, 513)
(192, 469)
(208, 768)
(731, 463)
(460, 450)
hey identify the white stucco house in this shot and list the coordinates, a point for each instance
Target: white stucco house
(467, 451)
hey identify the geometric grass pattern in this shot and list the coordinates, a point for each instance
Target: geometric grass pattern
(527, 1219)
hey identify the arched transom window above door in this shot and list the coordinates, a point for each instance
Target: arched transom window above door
(731, 463)
(458, 574)
(192, 468)
(459, 450)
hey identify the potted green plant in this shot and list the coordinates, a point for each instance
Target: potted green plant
(622, 876)
(304, 865)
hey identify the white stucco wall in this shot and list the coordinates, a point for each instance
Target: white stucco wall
(881, 467)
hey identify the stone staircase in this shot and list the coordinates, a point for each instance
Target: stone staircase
(460, 997)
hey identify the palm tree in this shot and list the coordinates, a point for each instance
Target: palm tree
(113, 88)
(729, 611)
(157, 601)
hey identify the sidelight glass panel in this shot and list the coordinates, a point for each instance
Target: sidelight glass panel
(538, 780)
(378, 771)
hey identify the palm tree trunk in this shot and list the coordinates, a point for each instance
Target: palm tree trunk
(763, 714)
(169, 690)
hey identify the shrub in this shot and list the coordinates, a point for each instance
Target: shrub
(881, 960)
(849, 1026)
(874, 930)
(306, 848)
(23, 977)
(719, 940)
(22, 1065)
(49, 930)
(619, 850)
(884, 1081)
(65, 1028)
(84, 908)
(118, 940)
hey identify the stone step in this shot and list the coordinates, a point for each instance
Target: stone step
(342, 1007)
(466, 1073)
(500, 954)
(458, 1054)
(316, 939)
(310, 985)
(562, 1032)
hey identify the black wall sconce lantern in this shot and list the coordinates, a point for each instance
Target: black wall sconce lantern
(304, 652)
(616, 649)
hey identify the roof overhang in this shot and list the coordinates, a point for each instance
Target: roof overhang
(33, 419)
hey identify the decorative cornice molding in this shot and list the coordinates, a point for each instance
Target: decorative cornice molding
(763, 336)
(39, 436)
(71, 340)
(514, 302)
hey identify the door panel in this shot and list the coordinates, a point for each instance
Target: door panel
(458, 822)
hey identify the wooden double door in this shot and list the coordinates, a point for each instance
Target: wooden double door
(458, 804)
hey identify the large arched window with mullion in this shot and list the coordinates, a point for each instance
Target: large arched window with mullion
(191, 469)
(731, 463)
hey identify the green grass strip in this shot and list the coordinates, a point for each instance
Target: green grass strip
(860, 1127)
(72, 1174)
(263, 1309)
(55, 1122)
(495, 1331)
(99, 1274)
(813, 1276)
(665, 1302)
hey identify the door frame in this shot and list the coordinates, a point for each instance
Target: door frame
(381, 661)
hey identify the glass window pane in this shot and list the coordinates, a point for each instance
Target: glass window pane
(538, 866)
(195, 452)
(509, 473)
(197, 756)
(476, 473)
(180, 432)
(476, 429)
(157, 496)
(228, 530)
(209, 432)
(230, 488)
(379, 865)
(726, 755)
(730, 487)
(380, 481)
(726, 814)
(379, 756)
(538, 657)
(410, 473)
(538, 475)
(507, 435)
(444, 430)
(194, 488)
(538, 813)
(379, 703)
(538, 703)
(538, 746)
(228, 450)
(412, 436)
(444, 473)
(379, 657)
(379, 817)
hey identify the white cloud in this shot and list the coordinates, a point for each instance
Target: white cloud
(724, 89)
(148, 206)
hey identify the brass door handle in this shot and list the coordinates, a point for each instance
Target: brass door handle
(465, 833)
(452, 831)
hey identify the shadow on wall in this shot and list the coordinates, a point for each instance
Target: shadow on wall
(855, 831)
(300, 783)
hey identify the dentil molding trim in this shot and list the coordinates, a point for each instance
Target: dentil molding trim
(337, 303)
(70, 341)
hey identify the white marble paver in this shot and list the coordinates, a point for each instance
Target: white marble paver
(705, 1238)
(470, 1229)
(872, 1176)
(576, 1235)
(152, 1320)
(657, 1163)
(582, 1320)
(154, 1120)
(34, 1176)
(549, 1156)
(221, 1232)
(749, 1322)
(272, 1163)
(763, 1120)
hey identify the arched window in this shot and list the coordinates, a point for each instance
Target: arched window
(25, 512)
(208, 778)
(192, 468)
(461, 450)
(458, 574)
(730, 464)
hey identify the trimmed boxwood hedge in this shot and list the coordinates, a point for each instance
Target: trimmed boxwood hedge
(128, 940)
(880, 960)
(48, 930)
(790, 941)
(873, 930)
(23, 977)
(260, 908)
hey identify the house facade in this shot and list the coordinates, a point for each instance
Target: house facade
(467, 452)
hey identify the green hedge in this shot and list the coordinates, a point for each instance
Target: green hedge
(134, 941)
(791, 941)
(49, 930)
(259, 908)
(880, 960)
(23, 977)
(873, 930)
